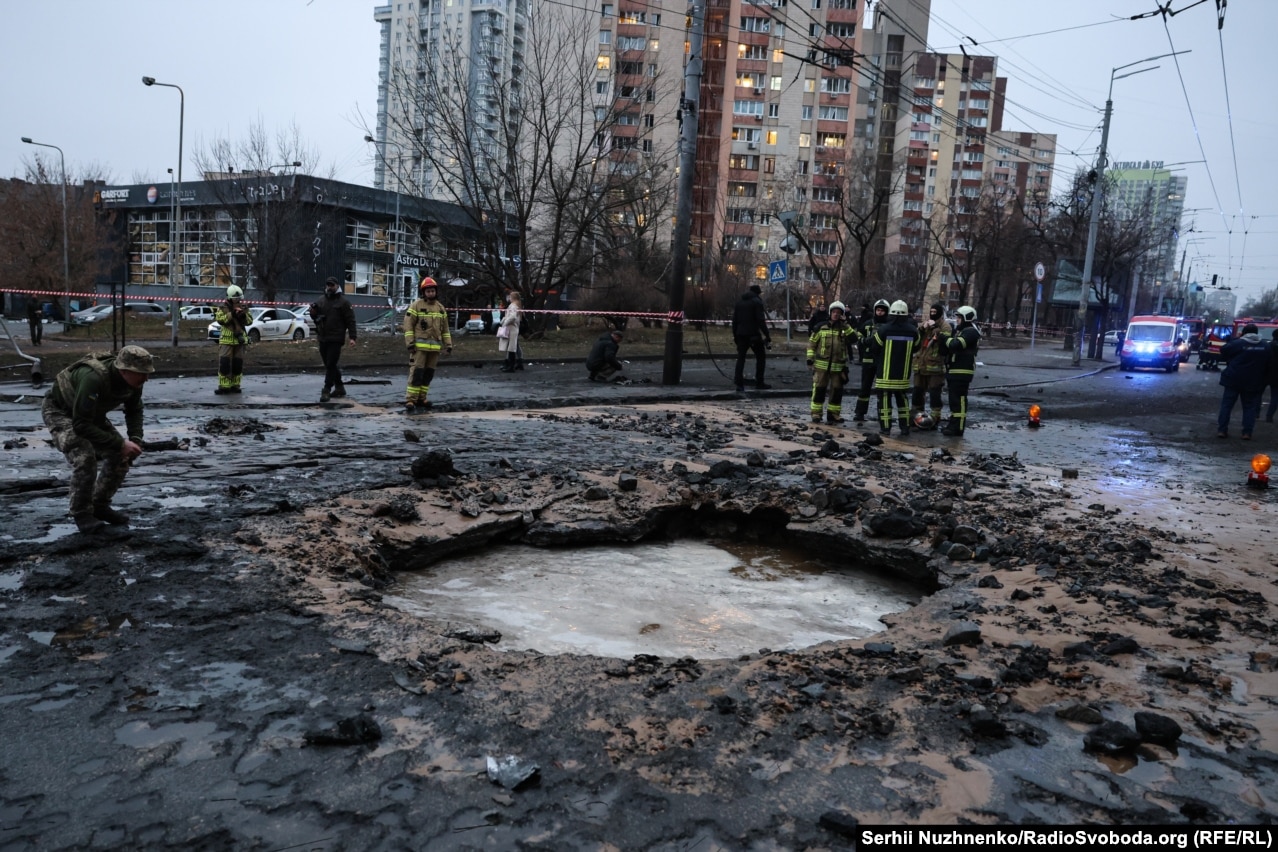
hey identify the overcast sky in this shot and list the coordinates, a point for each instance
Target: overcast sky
(73, 69)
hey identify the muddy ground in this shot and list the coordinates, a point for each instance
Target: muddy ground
(230, 675)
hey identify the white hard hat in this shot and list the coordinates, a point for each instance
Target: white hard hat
(838, 306)
(899, 309)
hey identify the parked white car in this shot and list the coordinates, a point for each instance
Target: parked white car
(273, 324)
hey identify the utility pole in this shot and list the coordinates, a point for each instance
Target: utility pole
(1080, 325)
(673, 363)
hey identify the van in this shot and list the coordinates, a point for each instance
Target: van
(1151, 341)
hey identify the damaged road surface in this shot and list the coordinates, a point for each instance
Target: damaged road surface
(233, 674)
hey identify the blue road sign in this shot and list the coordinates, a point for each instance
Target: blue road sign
(777, 273)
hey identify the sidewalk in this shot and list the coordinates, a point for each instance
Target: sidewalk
(479, 385)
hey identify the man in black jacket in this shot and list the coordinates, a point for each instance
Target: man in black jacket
(750, 333)
(866, 326)
(334, 324)
(1245, 376)
(602, 361)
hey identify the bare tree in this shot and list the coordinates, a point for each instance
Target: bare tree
(540, 164)
(32, 233)
(269, 215)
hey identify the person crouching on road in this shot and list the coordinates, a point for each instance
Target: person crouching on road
(829, 348)
(232, 340)
(602, 361)
(867, 324)
(929, 366)
(960, 348)
(334, 325)
(426, 334)
(893, 349)
(75, 410)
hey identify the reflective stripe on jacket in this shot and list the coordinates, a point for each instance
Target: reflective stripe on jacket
(426, 326)
(961, 348)
(830, 346)
(894, 343)
(929, 360)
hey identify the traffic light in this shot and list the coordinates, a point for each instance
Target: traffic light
(1213, 279)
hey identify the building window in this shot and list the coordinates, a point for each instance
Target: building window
(605, 36)
(603, 63)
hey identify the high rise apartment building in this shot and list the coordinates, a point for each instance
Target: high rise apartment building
(1144, 189)
(964, 173)
(796, 107)
(426, 44)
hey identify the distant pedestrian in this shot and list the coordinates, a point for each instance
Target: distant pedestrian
(1245, 376)
(893, 347)
(426, 335)
(961, 348)
(35, 320)
(1118, 342)
(819, 317)
(867, 324)
(234, 320)
(602, 361)
(929, 368)
(508, 333)
(75, 410)
(750, 333)
(334, 325)
(829, 348)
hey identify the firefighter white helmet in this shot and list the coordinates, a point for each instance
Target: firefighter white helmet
(899, 309)
(234, 292)
(967, 313)
(838, 306)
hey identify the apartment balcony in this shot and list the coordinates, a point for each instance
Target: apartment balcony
(636, 30)
(840, 16)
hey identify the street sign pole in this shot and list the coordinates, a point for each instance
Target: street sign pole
(1039, 272)
(779, 273)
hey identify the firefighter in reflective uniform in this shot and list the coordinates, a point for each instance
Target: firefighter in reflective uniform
(929, 369)
(865, 333)
(961, 349)
(426, 334)
(893, 347)
(232, 340)
(829, 348)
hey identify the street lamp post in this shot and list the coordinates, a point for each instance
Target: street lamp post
(177, 252)
(66, 238)
(382, 153)
(1085, 284)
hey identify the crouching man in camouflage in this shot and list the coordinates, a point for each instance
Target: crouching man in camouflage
(75, 410)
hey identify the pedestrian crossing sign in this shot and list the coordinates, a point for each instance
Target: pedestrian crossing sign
(777, 272)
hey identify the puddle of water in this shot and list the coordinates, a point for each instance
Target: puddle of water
(184, 502)
(197, 740)
(684, 598)
(11, 581)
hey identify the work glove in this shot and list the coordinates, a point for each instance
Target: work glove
(809, 362)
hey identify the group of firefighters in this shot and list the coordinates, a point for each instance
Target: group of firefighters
(894, 354)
